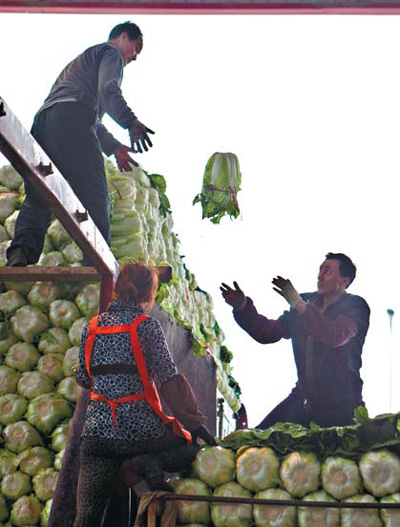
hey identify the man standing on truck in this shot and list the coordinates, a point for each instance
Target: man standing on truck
(68, 127)
(328, 330)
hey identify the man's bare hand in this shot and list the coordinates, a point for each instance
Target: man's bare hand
(234, 297)
(139, 134)
(285, 288)
(124, 160)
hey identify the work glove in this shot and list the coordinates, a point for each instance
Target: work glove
(234, 297)
(124, 160)
(284, 288)
(138, 134)
(202, 433)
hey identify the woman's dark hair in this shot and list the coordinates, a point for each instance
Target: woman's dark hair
(137, 283)
(130, 28)
(346, 267)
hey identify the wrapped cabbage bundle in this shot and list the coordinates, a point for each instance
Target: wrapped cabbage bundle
(300, 473)
(274, 515)
(215, 466)
(380, 472)
(221, 183)
(192, 511)
(258, 469)
(231, 514)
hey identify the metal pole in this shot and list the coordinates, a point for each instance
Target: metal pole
(390, 313)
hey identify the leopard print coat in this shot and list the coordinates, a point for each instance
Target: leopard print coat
(136, 421)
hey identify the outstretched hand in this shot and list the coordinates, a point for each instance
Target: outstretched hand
(139, 135)
(124, 160)
(234, 297)
(285, 288)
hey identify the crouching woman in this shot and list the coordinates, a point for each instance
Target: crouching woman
(122, 350)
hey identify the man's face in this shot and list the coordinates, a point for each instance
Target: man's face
(329, 279)
(130, 49)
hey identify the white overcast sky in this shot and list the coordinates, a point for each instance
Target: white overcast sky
(311, 106)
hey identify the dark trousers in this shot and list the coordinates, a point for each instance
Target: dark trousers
(65, 132)
(100, 474)
(295, 409)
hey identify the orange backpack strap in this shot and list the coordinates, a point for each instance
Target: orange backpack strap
(89, 343)
(150, 390)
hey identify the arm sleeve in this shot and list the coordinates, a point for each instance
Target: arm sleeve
(161, 359)
(179, 396)
(107, 141)
(338, 332)
(261, 328)
(82, 376)
(109, 80)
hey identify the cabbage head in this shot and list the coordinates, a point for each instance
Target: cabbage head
(46, 411)
(59, 437)
(44, 483)
(69, 389)
(10, 178)
(3, 509)
(215, 466)
(35, 459)
(58, 235)
(20, 436)
(70, 361)
(192, 511)
(9, 379)
(258, 469)
(87, 300)
(15, 485)
(391, 517)
(54, 341)
(34, 383)
(10, 301)
(380, 471)
(63, 313)
(22, 356)
(12, 408)
(8, 462)
(361, 517)
(300, 473)
(51, 365)
(43, 294)
(76, 330)
(274, 515)
(9, 202)
(58, 459)
(28, 322)
(45, 514)
(340, 477)
(221, 183)
(72, 253)
(323, 517)
(231, 514)
(26, 511)
(6, 341)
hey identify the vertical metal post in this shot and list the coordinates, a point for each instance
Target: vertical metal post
(220, 415)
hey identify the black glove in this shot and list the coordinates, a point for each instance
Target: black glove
(138, 134)
(203, 434)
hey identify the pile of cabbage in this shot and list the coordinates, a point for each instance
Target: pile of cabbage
(261, 473)
(41, 326)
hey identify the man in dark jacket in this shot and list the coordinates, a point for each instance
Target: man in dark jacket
(328, 329)
(68, 127)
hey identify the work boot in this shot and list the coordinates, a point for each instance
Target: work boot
(17, 258)
(154, 474)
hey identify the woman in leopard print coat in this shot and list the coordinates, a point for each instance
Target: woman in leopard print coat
(134, 429)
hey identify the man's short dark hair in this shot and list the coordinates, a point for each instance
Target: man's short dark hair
(130, 28)
(346, 267)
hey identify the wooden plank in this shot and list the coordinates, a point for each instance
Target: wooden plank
(35, 166)
(35, 273)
